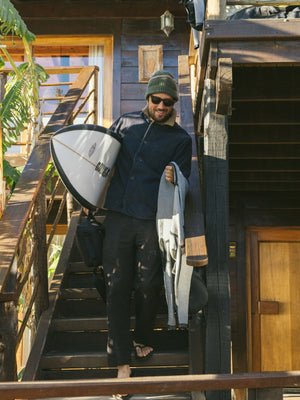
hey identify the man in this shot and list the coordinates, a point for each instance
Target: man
(151, 139)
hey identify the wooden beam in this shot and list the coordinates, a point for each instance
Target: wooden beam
(279, 3)
(196, 252)
(266, 53)
(218, 332)
(212, 62)
(252, 29)
(249, 42)
(224, 86)
(91, 9)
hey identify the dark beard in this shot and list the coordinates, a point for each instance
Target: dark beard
(160, 121)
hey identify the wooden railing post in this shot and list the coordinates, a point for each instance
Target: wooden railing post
(2, 188)
(94, 100)
(2, 184)
(196, 343)
(9, 331)
(8, 340)
(218, 332)
(41, 262)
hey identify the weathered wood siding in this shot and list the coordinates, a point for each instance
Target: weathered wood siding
(147, 32)
(132, 23)
(264, 170)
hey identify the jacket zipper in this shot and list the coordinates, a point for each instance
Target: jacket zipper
(138, 150)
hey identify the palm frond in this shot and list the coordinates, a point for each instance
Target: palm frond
(20, 99)
(14, 113)
(10, 172)
(12, 23)
(2, 62)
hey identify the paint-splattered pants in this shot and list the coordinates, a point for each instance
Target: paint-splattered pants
(132, 262)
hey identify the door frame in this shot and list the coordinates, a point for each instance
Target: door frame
(254, 235)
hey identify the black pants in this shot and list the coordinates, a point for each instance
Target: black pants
(131, 261)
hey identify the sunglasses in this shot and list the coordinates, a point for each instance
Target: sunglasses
(167, 102)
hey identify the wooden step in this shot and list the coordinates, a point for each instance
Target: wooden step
(97, 323)
(104, 373)
(95, 359)
(80, 293)
(95, 340)
(79, 308)
(166, 396)
(86, 302)
(78, 266)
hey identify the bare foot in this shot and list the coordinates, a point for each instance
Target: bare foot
(124, 371)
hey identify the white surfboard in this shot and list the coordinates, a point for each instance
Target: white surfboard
(84, 156)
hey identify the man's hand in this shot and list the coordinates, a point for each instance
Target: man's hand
(169, 173)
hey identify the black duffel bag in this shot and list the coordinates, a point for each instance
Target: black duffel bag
(90, 236)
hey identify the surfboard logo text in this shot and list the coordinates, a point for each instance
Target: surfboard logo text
(92, 150)
(102, 169)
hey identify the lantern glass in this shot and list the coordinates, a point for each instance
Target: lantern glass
(167, 22)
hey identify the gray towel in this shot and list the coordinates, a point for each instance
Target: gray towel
(170, 229)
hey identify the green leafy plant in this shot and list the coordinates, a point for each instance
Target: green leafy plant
(50, 170)
(21, 102)
(54, 258)
(11, 175)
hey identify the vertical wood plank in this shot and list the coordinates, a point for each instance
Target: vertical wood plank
(9, 331)
(218, 354)
(265, 394)
(94, 105)
(216, 9)
(195, 243)
(294, 256)
(41, 262)
(275, 285)
(2, 188)
(8, 341)
(197, 323)
(240, 344)
(196, 349)
(255, 294)
(117, 53)
(2, 184)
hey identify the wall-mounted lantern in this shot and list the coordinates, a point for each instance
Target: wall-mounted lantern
(167, 22)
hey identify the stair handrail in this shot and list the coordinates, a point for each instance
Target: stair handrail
(26, 191)
(152, 384)
(23, 241)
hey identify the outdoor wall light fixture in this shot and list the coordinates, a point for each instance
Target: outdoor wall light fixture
(167, 22)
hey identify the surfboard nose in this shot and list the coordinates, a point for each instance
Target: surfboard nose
(84, 156)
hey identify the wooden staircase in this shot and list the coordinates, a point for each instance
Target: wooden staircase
(76, 344)
(71, 338)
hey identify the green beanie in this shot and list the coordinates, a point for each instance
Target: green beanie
(162, 82)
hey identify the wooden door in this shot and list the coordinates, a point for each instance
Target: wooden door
(274, 299)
